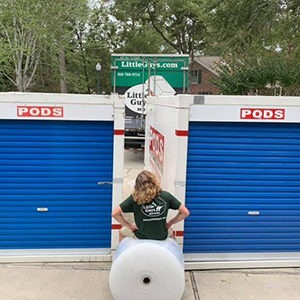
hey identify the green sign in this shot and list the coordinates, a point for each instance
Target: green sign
(128, 70)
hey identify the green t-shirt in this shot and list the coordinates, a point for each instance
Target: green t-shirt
(151, 217)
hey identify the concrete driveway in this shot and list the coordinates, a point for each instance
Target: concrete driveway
(89, 281)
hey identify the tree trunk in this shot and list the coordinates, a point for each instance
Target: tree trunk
(79, 36)
(19, 81)
(63, 71)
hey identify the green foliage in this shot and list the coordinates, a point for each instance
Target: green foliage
(98, 42)
(259, 41)
(236, 24)
(160, 25)
(5, 84)
(30, 27)
(272, 73)
(180, 23)
(22, 31)
(134, 33)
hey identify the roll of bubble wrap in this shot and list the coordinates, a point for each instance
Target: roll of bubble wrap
(147, 270)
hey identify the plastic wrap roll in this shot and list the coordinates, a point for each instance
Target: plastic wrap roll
(147, 270)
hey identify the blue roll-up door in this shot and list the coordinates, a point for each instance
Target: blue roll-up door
(49, 196)
(243, 188)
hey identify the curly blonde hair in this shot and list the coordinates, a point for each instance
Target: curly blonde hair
(147, 188)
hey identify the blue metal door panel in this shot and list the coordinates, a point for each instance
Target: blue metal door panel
(55, 165)
(243, 188)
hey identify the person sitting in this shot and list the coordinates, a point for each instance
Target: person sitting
(150, 205)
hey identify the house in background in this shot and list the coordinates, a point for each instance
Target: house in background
(202, 74)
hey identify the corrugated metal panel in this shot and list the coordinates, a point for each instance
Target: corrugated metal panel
(237, 168)
(55, 165)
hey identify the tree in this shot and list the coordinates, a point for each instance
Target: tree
(133, 31)
(235, 25)
(29, 28)
(22, 34)
(180, 23)
(267, 74)
(174, 25)
(92, 44)
(68, 17)
(87, 38)
(259, 42)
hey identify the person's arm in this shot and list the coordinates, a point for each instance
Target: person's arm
(183, 212)
(117, 215)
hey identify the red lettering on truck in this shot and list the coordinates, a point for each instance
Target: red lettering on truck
(262, 113)
(40, 111)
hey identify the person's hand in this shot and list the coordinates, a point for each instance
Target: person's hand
(133, 227)
(168, 224)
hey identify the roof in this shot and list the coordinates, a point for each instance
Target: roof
(209, 62)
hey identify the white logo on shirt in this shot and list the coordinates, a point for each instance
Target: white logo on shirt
(155, 209)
